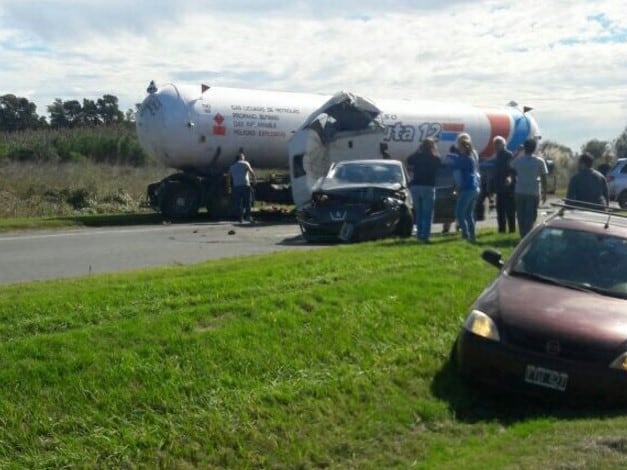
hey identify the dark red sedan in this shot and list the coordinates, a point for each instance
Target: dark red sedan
(554, 322)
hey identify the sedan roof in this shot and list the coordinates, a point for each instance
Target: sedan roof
(590, 221)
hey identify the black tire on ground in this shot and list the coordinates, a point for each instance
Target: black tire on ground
(405, 225)
(622, 200)
(181, 199)
(303, 232)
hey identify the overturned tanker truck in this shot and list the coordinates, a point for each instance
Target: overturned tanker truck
(198, 131)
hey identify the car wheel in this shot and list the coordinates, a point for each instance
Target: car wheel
(405, 224)
(622, 200)
(306, 235)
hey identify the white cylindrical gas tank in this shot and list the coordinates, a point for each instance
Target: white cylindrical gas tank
(163, 125)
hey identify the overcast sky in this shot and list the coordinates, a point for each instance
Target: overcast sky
(567, 59)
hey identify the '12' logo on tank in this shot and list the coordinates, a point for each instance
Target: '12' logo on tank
(398, 132)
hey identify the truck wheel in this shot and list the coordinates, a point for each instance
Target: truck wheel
(622, 200)
(180, 199)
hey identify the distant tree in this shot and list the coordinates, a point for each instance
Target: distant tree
(129, 115)
(65, 113)
(562, 157)
(73, 112)
(57, 114)
(548, 147)
(108, 109)
(596, 148)
(18, 114)
(620, 145)
(89, 113)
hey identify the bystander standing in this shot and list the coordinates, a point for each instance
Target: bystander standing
(424, 165)
(242, 176)
(531, 171)
(588, 187)
(468, 180)
(503, 184)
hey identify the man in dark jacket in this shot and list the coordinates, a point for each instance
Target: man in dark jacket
(588, 188)
(503, 184)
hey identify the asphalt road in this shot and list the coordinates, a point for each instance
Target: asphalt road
(30, 256)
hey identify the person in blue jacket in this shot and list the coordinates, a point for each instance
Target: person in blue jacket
(465, 163)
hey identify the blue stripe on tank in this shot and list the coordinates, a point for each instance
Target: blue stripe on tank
(521, 131)
(448, 136)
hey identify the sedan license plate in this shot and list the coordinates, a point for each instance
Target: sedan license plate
(546, 378)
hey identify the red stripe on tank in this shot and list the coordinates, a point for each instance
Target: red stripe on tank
(500, 124)
(452, 127)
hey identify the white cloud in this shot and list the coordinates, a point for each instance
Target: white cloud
(566, 59)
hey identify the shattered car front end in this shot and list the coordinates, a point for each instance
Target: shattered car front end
(356, 211)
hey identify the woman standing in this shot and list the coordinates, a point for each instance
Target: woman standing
(424, 166)
(466, 167)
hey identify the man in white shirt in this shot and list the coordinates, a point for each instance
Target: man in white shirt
(242, 175)
(531, 174)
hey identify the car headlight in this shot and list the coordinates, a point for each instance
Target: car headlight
(480, 324)
(620, 362)
(319, 198)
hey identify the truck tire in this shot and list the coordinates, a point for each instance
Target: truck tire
(181, 199)
(622, 200)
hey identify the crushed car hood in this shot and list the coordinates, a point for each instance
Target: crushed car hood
(326, 185)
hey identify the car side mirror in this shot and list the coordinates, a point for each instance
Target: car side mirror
(493, 257)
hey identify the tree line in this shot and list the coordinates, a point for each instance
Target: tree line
(94, 130)
(20, 114)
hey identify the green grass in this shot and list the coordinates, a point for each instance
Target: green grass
(337, 357)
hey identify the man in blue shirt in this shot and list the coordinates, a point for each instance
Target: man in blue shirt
(468, 181)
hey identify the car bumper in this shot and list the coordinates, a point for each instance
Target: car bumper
(374, 226)
(505, 367)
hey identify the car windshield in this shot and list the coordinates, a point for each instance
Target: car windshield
(576, 258)
(366, 173)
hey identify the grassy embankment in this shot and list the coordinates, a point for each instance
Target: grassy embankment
(338, 357)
